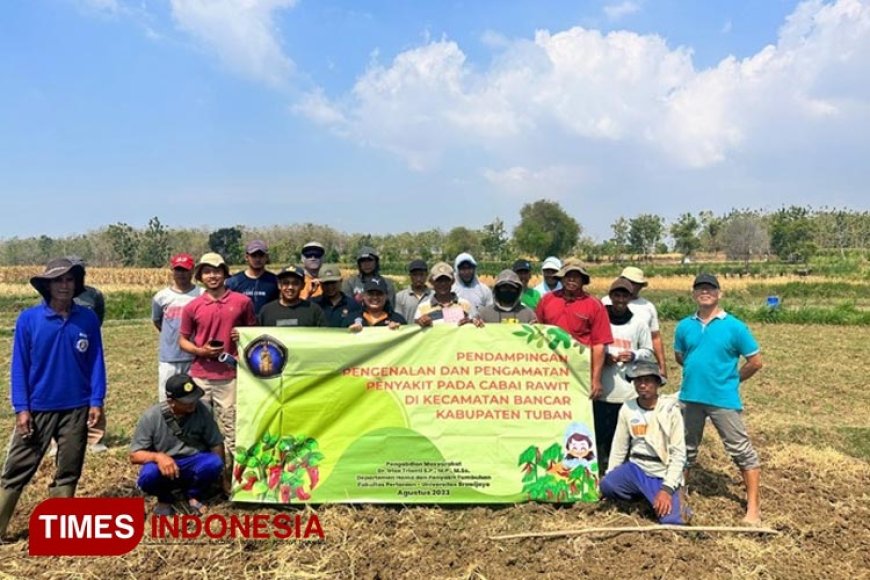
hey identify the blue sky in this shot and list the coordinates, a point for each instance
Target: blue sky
(393, 116)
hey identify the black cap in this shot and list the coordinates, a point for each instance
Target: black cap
(183, 389)
(521, 265)
(418, 265)
(375, 284)
(292, 271)
(367, 253)
(706, 279)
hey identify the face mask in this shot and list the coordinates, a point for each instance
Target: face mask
(506, 294)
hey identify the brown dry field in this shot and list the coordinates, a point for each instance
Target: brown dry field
(806, 411)
(14, 280)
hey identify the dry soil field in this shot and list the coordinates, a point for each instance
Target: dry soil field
(807, 411)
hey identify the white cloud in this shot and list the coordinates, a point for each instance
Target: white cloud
(574, 93)
(556, 180)
(615, 12)
(241, 32)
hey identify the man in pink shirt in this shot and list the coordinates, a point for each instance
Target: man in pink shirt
(208, 333)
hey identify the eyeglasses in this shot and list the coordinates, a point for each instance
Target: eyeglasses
(312, 255)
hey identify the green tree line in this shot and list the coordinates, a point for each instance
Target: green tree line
(791, 234)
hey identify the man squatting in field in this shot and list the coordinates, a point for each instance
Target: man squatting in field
(58, 378)
(208, 332)
(709, 345)
(649, 448)
(179, 447)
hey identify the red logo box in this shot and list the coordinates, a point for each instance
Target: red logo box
(86, 526)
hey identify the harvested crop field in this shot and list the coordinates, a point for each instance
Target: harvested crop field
(806, 410)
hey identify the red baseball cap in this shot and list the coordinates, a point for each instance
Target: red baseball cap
(181, 261)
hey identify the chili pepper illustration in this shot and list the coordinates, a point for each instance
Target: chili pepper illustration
(300, 494)
(274, 476)
(313, 475)
(285, 493)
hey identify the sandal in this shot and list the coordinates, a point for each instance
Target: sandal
(197, 508)
(162, 509)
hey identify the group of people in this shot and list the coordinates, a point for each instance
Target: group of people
(646, 441)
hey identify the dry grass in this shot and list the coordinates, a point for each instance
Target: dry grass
(816, 491)
(14, 280)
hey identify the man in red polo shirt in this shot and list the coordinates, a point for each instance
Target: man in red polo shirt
(580, 314)
(208, 333)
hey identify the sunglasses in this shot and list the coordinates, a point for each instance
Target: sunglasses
(312, 255)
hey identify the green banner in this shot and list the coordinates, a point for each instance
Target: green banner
(499, 414)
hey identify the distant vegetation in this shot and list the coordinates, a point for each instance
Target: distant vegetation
(825, 241)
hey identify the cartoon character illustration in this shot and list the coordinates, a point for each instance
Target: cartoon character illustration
(579, 451)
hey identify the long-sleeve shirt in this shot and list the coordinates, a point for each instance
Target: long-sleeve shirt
(57, 363)
(654, 440)
(633, 336)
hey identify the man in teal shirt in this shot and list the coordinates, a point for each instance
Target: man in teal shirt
(708, 345)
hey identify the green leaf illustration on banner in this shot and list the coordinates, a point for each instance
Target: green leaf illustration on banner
(554, 337)
(277, 468)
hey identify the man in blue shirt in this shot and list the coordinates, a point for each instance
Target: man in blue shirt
(255, 281)
(58, 385)
(708, 345)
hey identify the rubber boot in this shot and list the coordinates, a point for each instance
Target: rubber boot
(62, 491)
(8, 501)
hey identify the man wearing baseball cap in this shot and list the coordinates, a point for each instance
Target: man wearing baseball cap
(445, 307)
(409, 299)
(312, 261)
(631, 343)
(368, 263)
(179, 446)
(644, 310)
(166, 308)
(530, 297)
(708, 345)
(255, 281)
(338, 308)
(58, 384)
(290, 309)
(550, 270)
(375, 308)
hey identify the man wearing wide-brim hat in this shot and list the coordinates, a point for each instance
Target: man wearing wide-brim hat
(58, 384)
(580, 314)
(208, 332)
